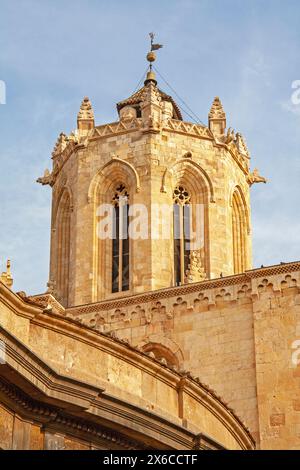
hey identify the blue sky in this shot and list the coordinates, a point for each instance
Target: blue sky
(54, 52)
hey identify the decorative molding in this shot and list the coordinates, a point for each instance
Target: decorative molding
(116, 128)
(196, 270)
(64, 188)
(17, 302)
(179, 291)
(187, 128)
(51, 416)
(185, 163)
(101, 173)
(239, 191)
(162, 340)
(47, 302)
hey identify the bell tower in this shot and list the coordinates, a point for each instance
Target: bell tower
(130, 198)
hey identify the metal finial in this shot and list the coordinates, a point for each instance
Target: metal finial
(151, 56)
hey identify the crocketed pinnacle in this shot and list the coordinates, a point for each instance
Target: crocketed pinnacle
(216, 110)
(86, 111)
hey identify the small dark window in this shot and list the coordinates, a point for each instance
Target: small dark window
(120, 242)
(181, 230)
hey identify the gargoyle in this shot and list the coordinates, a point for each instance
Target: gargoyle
(256, 178)
(46, 179)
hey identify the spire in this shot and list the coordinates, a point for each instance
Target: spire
(217, 117)
(6, 276)
(216, 110)
(85, 117)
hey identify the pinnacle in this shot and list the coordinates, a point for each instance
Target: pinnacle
(86, 110)
(216, 110)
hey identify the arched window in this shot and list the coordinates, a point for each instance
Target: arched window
(181, 230)
(63, 248)
(239, 233)
(120, 242)
(162, 353)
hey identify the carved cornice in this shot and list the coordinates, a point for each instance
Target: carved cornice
(53, 417)
(47, 302)
(16, 302)
(187, 128)
(179, 291)
(74, 142)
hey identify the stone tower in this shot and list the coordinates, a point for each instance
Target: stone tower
(170, 179)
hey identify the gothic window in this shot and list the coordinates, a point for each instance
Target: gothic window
(181, 229)
(63, 248)
(239, 229)
(120, 242)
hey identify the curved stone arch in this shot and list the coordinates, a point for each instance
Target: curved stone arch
(65, 188)
(240, 231)
(101, 190)
(237, 189)
(166, 345)
(189, 174)
(62, 244)
(189, 165)
(112, 173)
(232, 188)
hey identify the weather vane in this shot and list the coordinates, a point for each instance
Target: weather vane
(154, 47)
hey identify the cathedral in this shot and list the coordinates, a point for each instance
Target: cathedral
(155, 331)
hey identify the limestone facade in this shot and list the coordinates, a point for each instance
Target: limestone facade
(236, 333)
(66, 386)
(125, 322)
(151, 151)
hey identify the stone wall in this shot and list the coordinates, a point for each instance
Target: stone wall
(235, 333)
(75, 381)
